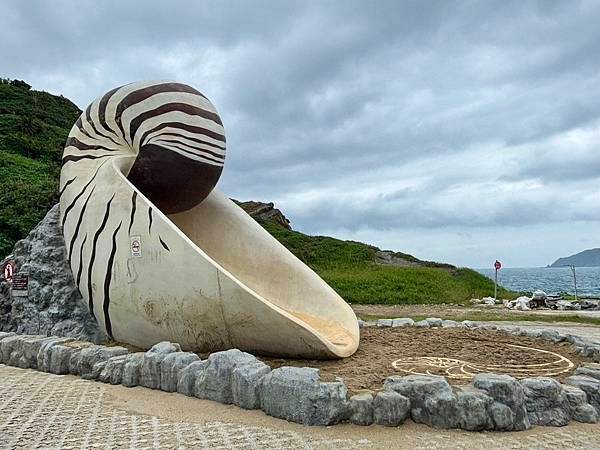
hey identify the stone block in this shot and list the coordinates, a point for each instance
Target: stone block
(588, 372)
(45, 353)
(186, 381)
(296, 394)
(390, 409)
(545, 401)
(29, 349)
(88, 357)
(246, 381)
(112, 371)
(215, 381)
(472, 407)
(97, 369)
(508, 391)
(8, 346)
(170, 367)
(385, 323)
(403, 322)
(585, 413)
(131, 375)
(432, 400)
(450, 324)
(590, 386)
(422, 324)
(552, 335)
(502, 417)
(434, 321)
(361, 406)
(151, 371)
(4, 334)
(60, 358)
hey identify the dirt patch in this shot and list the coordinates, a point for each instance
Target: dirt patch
(481, 350)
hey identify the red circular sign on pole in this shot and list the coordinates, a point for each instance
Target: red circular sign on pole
(497, 265)
(9, 270)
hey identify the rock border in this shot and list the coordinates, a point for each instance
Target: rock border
(490, 402)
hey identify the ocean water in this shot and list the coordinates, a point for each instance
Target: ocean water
(552, 280)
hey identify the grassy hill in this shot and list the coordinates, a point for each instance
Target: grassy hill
(356, 272)
(34, 127)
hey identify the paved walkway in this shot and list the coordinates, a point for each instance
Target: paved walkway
(39, 410)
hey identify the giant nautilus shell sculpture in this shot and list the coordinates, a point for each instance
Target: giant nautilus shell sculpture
(159, 254)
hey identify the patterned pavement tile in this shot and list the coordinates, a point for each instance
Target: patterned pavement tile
(44, 411)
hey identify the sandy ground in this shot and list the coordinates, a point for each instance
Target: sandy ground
(39, 410)
(379, 347)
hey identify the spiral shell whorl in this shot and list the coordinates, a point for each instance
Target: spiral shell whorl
(173, 130)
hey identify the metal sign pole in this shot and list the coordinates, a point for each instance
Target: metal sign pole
(497, 266)
(496, 286)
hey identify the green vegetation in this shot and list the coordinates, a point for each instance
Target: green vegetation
(351, 268)
(33, 129)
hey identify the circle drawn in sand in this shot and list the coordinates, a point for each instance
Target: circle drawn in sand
(459, 369)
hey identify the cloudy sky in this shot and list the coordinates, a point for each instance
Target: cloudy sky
(457, 131)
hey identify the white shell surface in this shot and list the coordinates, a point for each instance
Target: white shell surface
(210, 277)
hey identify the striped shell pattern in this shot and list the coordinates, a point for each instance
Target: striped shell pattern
(159, 254)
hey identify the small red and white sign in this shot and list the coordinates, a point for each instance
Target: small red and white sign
(497, 265)
(136, 246)
(9, 271)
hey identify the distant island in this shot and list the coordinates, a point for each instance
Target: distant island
(586, 258)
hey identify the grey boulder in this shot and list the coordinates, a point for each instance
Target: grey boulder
(4, 334)
(361, 406)
(151, 366)
(54, 306)
(215, 381)
(403, 322)
(246, 383)
(585, 413)
(434, 321)
(45, 353)
(60, 357)
(113, 370)
(509, 392)
(579, 409)
(590, 386)
(390, 409)
(87, 358)
(472, 409)
(186, 380)
(432, 400)
(546, 402)
(589, 370)
(385, 323)
(296, 394)
(131, 375)
(170, 367)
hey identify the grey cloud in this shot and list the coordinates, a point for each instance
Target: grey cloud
(355, 115)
